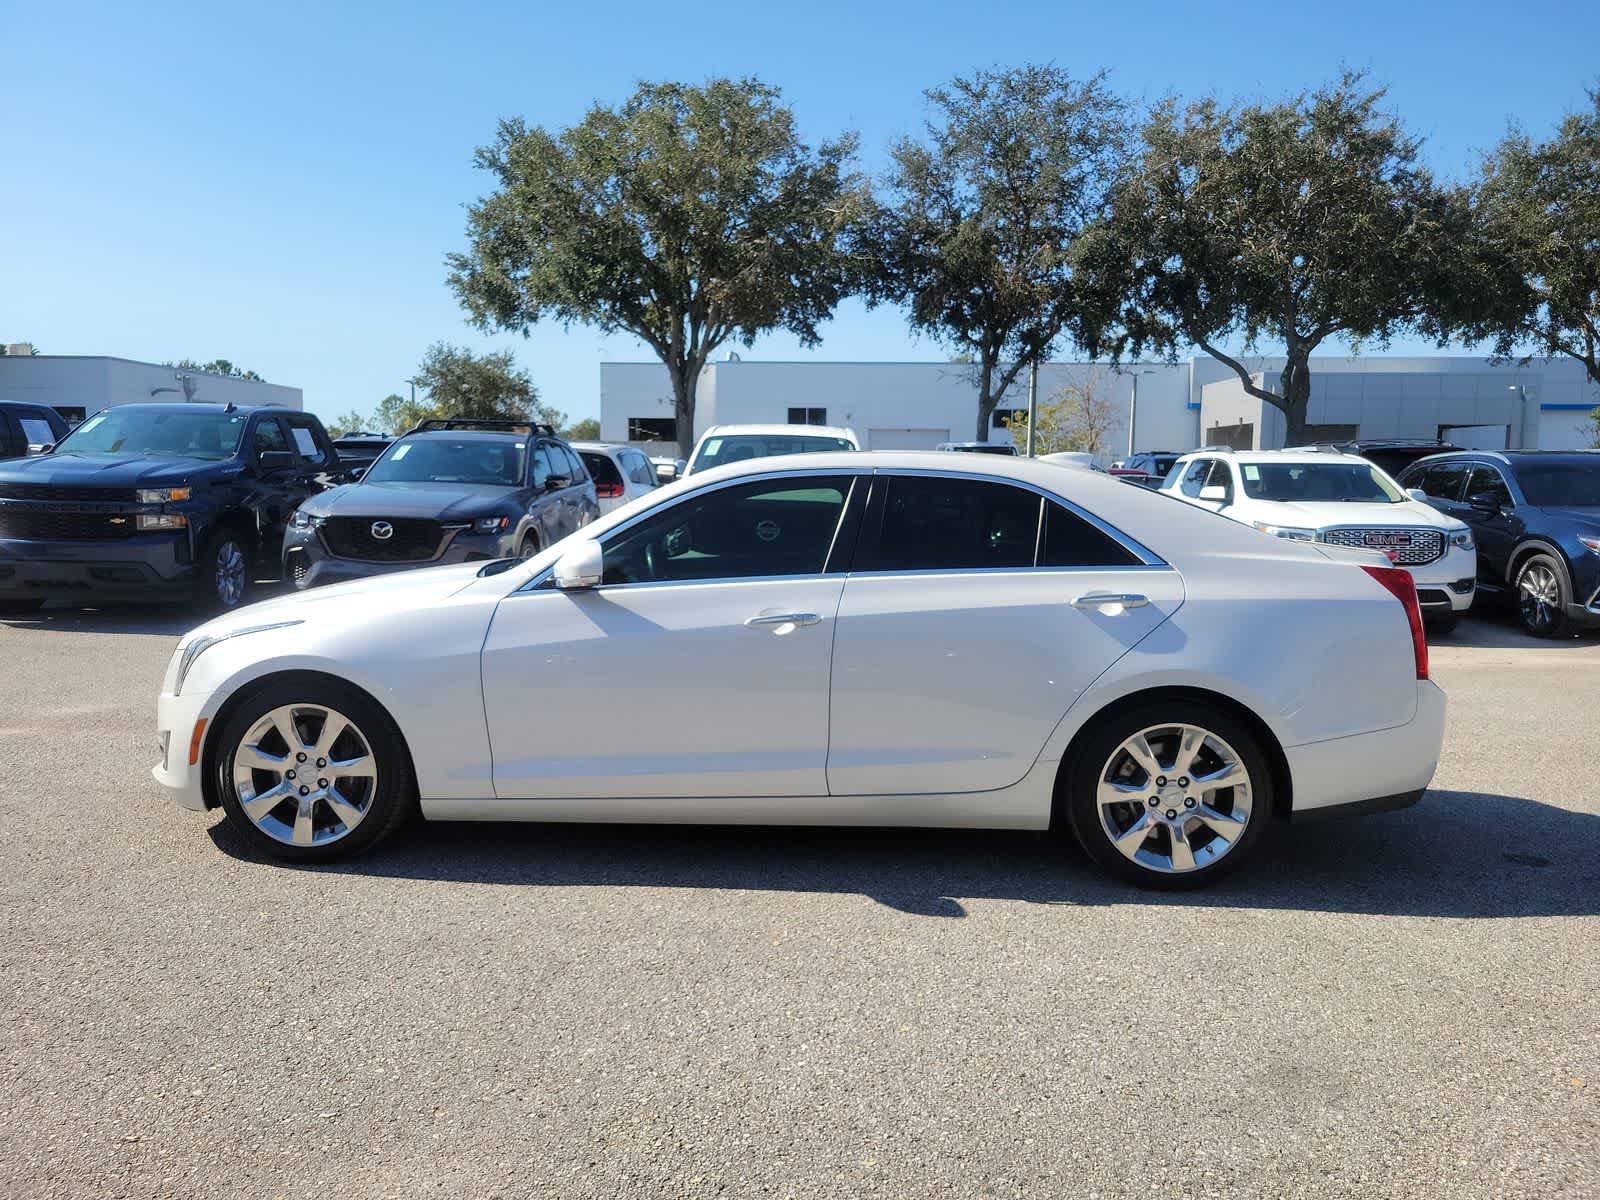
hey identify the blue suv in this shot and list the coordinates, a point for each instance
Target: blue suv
(1535, 515)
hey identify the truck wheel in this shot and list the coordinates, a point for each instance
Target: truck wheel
(222, 572)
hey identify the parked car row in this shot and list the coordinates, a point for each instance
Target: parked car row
(811, 639)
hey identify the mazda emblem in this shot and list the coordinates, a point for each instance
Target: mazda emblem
(382, 530)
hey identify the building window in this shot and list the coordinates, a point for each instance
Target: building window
(652, 429)
(808, 416)
(1001, 418)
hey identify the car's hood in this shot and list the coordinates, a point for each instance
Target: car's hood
(403, 589)
(106, 470)
(439, 501)
(1324, 514)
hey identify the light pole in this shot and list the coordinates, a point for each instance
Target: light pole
(1133, 409)
(1033, 402)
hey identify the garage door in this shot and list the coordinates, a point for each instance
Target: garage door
(906, 439)
(1476, 437)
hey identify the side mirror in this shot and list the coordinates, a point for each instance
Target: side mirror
(356, 473)
(1215, 493)
(43, 448)
(580, 567)
(666, 472)
(275, 460)
(1417, 494)
(1485, 502)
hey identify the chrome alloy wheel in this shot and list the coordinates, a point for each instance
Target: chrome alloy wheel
(1174, 798)
(229, 573)
(1538, 596)
(305, 775)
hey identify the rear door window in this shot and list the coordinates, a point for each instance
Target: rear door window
(938, 523)
(306, 442)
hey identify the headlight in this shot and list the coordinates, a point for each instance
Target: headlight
(1287, 531)
(160, 521)
(191, 652)
(1592, 544)
(1461, 539)
(161, 495)
(490, 524)
(305, 520)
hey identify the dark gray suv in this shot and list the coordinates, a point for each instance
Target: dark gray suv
(450, 491)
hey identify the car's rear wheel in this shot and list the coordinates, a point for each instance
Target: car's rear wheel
(312, 772)
(222, 572)
(1543, 596)
(1169, 795)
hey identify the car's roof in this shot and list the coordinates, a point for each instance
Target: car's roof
(1279, 456)
(794, 430)
(1514, 456)
(1167, 526)
(602, 446)
(209, 408)
(470, 435)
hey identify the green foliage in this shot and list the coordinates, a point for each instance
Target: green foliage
(586, 430)
(351, 422)
(1538, 205)
(1287, 223)
(1077, 417)
(217, 366)
(1594, 424)
(458, 383)
(688, 216)
(981, 233)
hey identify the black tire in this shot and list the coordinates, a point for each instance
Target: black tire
(1444, 624)
(224, 572)
(1098, 753)
(18, 608)
(529, 546)
(391, 801)
(1542, 595)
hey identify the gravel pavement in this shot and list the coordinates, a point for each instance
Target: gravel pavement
(1404, 1005)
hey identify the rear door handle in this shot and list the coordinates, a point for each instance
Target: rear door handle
(1109, 600)
(783, 619)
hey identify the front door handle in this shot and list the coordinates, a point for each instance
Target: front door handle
(783, 619)
(1110, 600)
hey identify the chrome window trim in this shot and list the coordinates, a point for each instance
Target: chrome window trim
(1147, 558)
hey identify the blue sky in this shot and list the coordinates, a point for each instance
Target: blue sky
(278, 184)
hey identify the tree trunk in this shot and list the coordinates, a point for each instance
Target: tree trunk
(986, 402)
(1295, 389)
(683, 387)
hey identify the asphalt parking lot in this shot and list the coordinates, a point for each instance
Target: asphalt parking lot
(1401, 1005)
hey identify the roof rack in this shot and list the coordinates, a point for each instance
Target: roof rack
(485, 424)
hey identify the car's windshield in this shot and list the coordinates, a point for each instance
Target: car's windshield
(434, 459)
(133, 429)
(736, 447)
(1561, 484)
(1310, 482)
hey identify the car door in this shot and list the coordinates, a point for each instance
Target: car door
(698, 668)
(976, 612)
(1497, 530)
(277, 491)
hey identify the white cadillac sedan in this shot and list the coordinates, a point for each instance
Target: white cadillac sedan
(842, 639)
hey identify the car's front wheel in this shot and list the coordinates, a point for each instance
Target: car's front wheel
(312, 771)
(1169, 795)
(1543, 596)
(223, 577)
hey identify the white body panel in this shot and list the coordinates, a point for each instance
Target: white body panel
(661, 690)
(955, 695)
(993, 659)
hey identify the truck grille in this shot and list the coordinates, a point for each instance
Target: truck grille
(47, 491)
(1406, 547)
(46, 525)
(412, 540)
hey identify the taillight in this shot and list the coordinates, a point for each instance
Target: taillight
(608, 491)
(1400, 583)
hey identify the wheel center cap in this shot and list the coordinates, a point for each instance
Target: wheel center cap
(1172, 797)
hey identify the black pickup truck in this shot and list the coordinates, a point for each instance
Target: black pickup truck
(152, 502)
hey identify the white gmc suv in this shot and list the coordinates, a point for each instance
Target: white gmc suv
(1339, 500)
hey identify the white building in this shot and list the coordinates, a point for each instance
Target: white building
(77, 385)
(900, 405)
